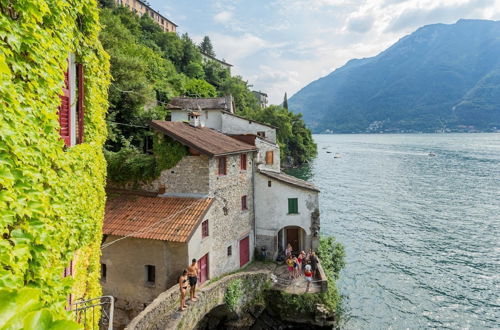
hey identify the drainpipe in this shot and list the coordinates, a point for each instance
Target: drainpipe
(254, 172)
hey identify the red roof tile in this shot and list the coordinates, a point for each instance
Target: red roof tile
(162, 218)
(205, 140)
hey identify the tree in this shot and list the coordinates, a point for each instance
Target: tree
(199, 88)
(285, 102)
(206, 46)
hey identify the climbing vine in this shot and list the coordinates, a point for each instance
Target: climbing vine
(233, 294)
(52, 198)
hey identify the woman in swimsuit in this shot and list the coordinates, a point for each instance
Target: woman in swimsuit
(183, 287)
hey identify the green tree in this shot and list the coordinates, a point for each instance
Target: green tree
(199, 88)
(285, 102)
(206, 46)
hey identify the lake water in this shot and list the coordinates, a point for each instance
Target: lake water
(422, 233)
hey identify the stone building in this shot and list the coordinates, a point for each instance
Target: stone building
(207, 58)
(139, 7)
(201, 208)
(286, 208)
(261, 97)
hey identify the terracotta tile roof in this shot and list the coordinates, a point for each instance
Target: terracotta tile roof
(162, 218)
(205, 140)
(290, 180)
(202, 103)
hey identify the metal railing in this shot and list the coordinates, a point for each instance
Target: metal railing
(87, 308)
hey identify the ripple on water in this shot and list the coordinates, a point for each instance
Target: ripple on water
(421, 233)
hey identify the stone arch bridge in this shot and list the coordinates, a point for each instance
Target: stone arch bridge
(163, 312)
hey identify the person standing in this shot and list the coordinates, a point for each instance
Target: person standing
(193, 272)
(314, 263)
(289, 263)
(308, 275)
(183, 288)
(288, 250)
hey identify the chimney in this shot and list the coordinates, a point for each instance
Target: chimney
(194, 119)
(230, 103)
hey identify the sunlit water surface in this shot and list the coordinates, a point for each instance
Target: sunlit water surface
(422, 233)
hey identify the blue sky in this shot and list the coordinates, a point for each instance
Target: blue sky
(282, 45)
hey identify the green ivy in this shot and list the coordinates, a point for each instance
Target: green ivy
(233, 295)
(167, 151)
(52, 198)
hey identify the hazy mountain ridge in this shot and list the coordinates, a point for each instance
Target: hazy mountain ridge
(441, 77)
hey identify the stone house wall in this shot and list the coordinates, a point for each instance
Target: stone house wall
(271, 213)
(264, 146)
(229, 229)
(189, 176)
(126, 274)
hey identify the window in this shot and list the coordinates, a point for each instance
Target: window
(70, 110)
(293, 206)
(222, 165)
(103, 272)
(68, 271)
(204, 229)
(269, 157)
(244, 202)
(262, 134)
(229, 251)
(269, 183)
(150, 274)
(243, 162)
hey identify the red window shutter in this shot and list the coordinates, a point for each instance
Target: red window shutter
(80, 104)
(65, 111)
(269, 157)
(243, 162)
(204, 229)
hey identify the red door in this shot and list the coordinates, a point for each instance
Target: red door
(203, 266)
(244, 251)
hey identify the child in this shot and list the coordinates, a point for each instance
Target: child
(289, 263)
(308, 274)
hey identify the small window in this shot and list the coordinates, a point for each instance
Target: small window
(204, 229)
(244, 202)
(226, 211)
(293, 206)
(229, 251)
(222, 165)
(269, 183)
(262, 134)
(269, 157)
(103, 272)
(243, 162)
(150, 274)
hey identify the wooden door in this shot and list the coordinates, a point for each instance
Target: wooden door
(203, 266)
(292, 237)
(244, 251)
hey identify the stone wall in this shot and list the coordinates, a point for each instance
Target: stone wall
(126, 275)
(263, 146)
(230, 228)
(163, 313)
(188, 176)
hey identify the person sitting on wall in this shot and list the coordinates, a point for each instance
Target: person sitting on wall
(193, 279)
(183, 287)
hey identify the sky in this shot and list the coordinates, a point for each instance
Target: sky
(281, 46)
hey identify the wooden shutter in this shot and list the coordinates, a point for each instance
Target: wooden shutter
(80, 104)
(269, 157)
(243, 162)
(293, 206)
(65, 111)
(222, 165)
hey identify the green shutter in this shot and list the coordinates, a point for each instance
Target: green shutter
(293, 206)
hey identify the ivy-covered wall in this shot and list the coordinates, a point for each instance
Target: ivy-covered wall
(51, 198)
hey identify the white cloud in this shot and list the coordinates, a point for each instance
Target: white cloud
(223, 16)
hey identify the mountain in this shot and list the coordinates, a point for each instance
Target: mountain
(442, 77)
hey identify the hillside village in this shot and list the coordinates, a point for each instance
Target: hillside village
(219, 197)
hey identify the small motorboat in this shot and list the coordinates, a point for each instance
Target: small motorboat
(337, 156)
(431, 154)
(328, 152)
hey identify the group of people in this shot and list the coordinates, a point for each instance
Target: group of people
(189, 276)
(306, 264)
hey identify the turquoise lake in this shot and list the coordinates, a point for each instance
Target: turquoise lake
(421, 232)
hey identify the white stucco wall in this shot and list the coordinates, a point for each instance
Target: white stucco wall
(271, 212)
(209, 118)
(235, 125)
